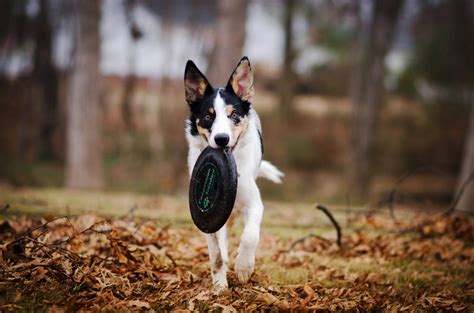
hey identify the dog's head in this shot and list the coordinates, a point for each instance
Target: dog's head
(219, 115)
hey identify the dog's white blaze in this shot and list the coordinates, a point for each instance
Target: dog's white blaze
(221, 124)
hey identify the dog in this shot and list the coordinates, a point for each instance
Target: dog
(225, 118)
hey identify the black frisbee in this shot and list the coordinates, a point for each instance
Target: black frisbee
(212, 189)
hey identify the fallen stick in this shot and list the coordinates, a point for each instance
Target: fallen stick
(390, 200)
(306, 237)
(334, 223)
(5, 208)
(445, 213)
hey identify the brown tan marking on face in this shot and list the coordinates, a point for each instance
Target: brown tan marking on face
(239, 129)
(211, 110)
(202, 131)
(228, 109)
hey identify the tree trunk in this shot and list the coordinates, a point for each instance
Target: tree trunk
(84, 157)
(229, 40)
(466, 202)
(46, 78)
(131, 79)
(367, 92)
(287, 76)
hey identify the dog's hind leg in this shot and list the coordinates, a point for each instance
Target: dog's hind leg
(252, 214)
(217, 247)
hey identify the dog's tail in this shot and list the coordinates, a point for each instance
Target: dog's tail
(269, 171)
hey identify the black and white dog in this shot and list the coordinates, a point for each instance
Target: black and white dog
(224, 117)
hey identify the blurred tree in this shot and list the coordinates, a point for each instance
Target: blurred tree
(444, 44)
(229, 40)
(443, 58)
(367, 90)
(287, 77)
(46, 77)
(15, 25)
(19, 106)
(84, 151)
(466, 202)
(463, 37)
(131, 79)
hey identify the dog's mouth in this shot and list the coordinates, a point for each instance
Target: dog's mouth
(232, 148)
(236, 142)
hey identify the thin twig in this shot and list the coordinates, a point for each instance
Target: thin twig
(72, 226)
(77, 234)
(56, 247)
(348, 210)
(131, 212)
(29, 232)
(390, 200)
(171, 259)
(445, 213)
(72, 256)
(333, 221)
(306, 237)
(5, 208)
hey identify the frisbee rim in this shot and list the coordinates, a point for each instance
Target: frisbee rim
(214, 218)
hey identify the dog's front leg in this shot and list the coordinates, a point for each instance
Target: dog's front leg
(217, 246)
(252, 214)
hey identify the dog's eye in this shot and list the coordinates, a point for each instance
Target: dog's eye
(234, 115)
(207, 117)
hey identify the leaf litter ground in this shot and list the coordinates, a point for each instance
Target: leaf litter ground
(92, 262)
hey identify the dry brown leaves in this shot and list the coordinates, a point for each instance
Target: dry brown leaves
(89, 263)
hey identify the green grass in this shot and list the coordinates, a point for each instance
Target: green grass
(73, 202)
(38, 173)
(291, 276)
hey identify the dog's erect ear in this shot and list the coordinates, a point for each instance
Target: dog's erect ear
(195, 83)
(241, 80)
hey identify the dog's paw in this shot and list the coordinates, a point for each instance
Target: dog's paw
(219, 289)
(219, 280)
(244, 268)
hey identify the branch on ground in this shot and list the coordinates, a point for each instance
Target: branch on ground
(334, 223)
(445, 213)
(390, 200)
(5, 208)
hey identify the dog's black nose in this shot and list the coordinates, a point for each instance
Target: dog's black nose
(221, 139)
